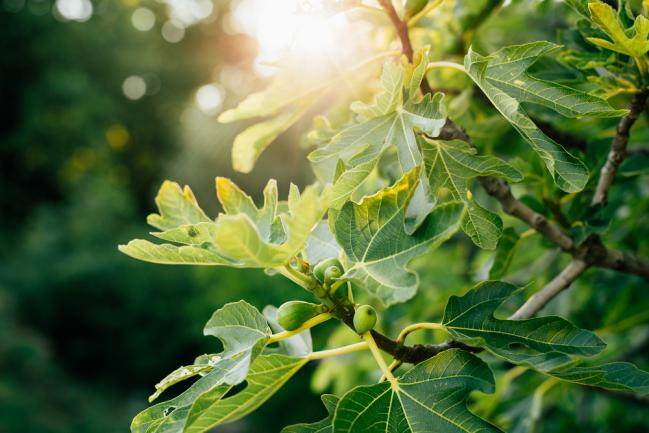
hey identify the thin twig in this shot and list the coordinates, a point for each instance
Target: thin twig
(400, 26)
(552, 289)
(618, 149)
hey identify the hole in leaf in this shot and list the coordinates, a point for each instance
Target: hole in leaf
(168, 410)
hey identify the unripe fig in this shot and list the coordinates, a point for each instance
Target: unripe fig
(321, 268)
(291, 315)
(331, 273)
(413, 7)
(364, 319)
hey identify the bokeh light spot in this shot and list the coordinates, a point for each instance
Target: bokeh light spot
(143, 19)
(74, 10)
(173, 32)
(209, 99)
(134, 87)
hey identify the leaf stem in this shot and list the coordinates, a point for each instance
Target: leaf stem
(417, 326)
(295, 276)
(376, 352)
(445, 64)
(338, 351)
(425, 11)
(314, 321)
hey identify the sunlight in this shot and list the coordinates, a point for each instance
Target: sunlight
(285, 28)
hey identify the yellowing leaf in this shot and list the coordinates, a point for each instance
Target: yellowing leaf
(605, 17)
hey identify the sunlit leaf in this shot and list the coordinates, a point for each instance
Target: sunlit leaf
(391, 120)
(243, 236)
(430, 397)
(605, 17)
(251, 142)
(378, 248)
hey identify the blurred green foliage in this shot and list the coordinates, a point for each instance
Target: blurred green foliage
(85, 331)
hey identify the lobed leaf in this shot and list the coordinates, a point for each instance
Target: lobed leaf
(569, 173)
(471, 318)
(244, 236)
(605, 17)
(507, 70)
(430, 397)
(452, 164)
(376, 243)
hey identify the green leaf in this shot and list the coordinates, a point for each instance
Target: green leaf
(568, 172)
(391, 120)
(245, 241)
(581, 6)
(178, 375)
(471, 318)
(507, 71)
(170, 416)
(374, 238)
(322, 244)
(322, 426)
(507, 247)
(252, 141)
(617, 376)
(176, 207)
(168, 254)
(430, 397)
(452, 164)
(605, 17)
(243, 330)
(218, 406)
(210, 402)
(244, 236)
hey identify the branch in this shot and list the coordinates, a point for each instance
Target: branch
(624, 262)
(618, 149)
(500, 190)
(400, 26)
(552, 289)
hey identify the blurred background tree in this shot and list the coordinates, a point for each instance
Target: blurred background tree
(101, 101)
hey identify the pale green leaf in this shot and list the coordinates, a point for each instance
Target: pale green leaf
(168, 254)
(176, 207)
(378, 248)
(215, 407)
(471, 318)
(251, 142)
(390, 121)
(240, 238)
(569, 173)
(387, 101)
(243, 330)
(178, 375)
(429, 398)
(451, 165)
(322, 426)
(170, 416)
(321, 244)
(605, 17)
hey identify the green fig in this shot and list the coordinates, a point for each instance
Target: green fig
(364, 319)
(320, 269)
(291, 315)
